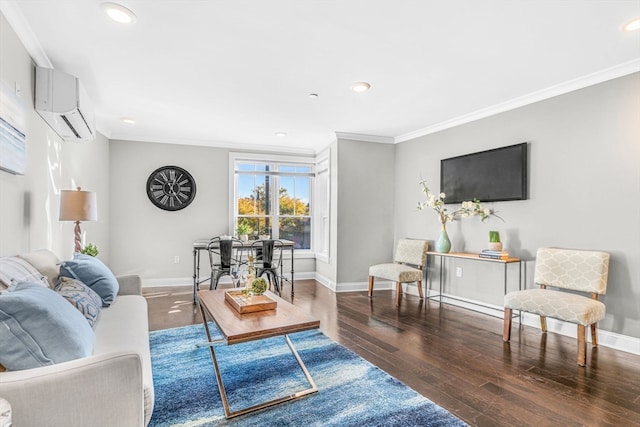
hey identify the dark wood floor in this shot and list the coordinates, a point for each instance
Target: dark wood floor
(456, 358)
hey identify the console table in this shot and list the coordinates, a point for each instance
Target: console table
(475, 257)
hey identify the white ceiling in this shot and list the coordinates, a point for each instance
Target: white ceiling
(235, 72)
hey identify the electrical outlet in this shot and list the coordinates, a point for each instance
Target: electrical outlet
(176, 259)
(458, 271)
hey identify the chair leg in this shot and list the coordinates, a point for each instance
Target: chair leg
(398, 292)
(543, 324)
(594, 335)
(506, 332)
(419, 285)
(582, 345)
(370, 286)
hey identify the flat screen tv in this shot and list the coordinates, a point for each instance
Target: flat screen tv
(489, 176)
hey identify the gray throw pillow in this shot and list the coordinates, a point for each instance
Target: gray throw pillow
(81, 297)
(93, 273)
(38, 328)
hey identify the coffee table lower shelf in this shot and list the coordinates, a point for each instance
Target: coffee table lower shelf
(208, 314)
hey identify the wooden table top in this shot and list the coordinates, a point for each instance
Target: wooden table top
(236, 327)
(473, 256)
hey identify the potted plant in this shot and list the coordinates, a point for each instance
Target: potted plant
(243, 231)
(258, 286)
(90, 249)
(494, 241)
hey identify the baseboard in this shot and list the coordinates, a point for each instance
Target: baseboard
(188, 281)
(174, 281)
(605, 338)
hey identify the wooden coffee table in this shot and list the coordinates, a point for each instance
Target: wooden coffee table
(237, 328)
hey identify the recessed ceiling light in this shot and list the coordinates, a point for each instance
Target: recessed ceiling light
(360, 87)
(632, 25)
(281, 134)
(128, 121)
(313, 95)
(119, 13)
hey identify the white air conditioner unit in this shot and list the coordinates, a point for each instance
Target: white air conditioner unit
(62, 102)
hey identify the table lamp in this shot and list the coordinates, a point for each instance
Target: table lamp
(78, 205)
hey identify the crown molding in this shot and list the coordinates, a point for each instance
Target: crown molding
(16, 19)
(560, 89)
(217, 144)
(366, 138)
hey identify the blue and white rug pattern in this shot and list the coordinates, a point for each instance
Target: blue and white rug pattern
(352, 392)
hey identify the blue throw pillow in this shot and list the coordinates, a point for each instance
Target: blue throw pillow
(81, 297)
(93, 273)
(38, 328)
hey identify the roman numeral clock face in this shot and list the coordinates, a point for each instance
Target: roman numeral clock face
(171, 188)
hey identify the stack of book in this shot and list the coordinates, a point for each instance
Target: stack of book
(486, 253)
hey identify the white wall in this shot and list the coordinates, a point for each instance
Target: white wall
(30, 202)
(584, 185)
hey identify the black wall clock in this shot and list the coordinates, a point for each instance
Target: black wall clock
(171, 188)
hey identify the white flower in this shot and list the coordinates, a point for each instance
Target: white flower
(467, 209)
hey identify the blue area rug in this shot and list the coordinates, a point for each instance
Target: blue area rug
(352, 392)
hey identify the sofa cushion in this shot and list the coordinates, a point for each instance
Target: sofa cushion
(46, 262)
(40, 328)
(85, 300)
(93, 273)
(14, 270)
(124, 327)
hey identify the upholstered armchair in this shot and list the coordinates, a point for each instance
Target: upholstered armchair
(410, 257)
(564, 270)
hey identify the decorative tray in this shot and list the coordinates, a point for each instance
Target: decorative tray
(243, 303)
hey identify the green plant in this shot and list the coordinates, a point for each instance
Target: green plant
(258, 286)
(494, 236)
(90, 249)
(243, 229)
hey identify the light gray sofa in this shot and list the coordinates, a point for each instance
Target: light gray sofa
(112, 387)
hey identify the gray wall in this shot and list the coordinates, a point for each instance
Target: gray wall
(362, 211)
(30, 202)
(148, 238)
(584, 183)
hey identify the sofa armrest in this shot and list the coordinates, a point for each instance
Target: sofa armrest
(130, 285)
(103, 390)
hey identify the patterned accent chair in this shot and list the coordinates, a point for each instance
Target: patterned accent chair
(410, 256)
(574, 270)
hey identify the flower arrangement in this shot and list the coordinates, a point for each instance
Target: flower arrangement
(467, 209)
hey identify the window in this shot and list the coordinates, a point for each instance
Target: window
(272, 196)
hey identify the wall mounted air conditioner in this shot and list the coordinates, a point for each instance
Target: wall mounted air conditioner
(62, 102)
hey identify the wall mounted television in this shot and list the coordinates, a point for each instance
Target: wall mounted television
(494, 175)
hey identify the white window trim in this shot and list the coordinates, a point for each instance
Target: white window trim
(266, 158)
(321, 221)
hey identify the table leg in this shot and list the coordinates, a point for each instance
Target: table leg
(196, 272)
(223, 393)
(291, 273)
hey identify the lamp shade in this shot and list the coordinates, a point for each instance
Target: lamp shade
(78, 205)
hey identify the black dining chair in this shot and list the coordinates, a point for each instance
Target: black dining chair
(267, 259)
(225, 258)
